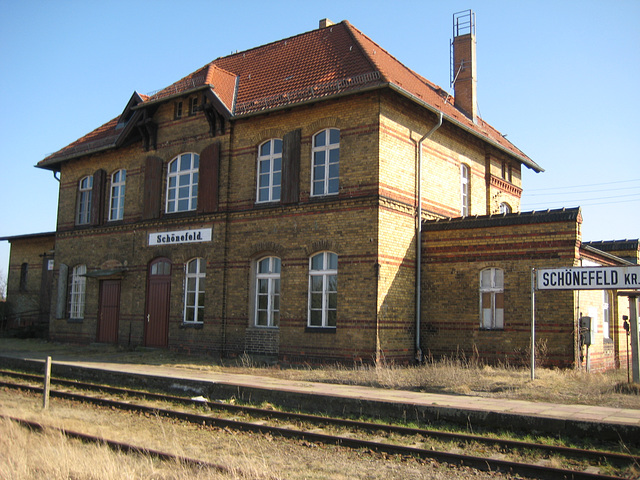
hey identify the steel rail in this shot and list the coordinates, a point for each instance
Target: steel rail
(480, 463)
(355, 424)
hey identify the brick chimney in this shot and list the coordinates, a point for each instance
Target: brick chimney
(463, 74)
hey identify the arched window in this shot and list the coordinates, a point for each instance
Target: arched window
(195, 274)
(77, 288)
(325, 162)
(267, 302)
(492, 298)
(83, 213)
(323, 289)
(116, 203)
(505, 208)
(269, 171)
(182, 183)
(464, 190)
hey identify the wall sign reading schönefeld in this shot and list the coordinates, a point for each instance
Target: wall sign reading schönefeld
(179, 237)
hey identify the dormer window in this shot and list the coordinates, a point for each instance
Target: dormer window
(177, 112)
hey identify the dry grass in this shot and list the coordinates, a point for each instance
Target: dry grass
(27, 456)
(459, 376)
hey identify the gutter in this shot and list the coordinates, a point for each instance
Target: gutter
(418, 352)
(594, 250)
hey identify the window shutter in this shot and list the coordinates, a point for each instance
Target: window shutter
(97, 197)
(208, 175)
(61, 300)
(291, 167)
(152, 188)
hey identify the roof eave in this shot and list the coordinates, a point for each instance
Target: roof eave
(53, 165)
(594, 250)
(172, 96)
(310, 101)
(27, 236)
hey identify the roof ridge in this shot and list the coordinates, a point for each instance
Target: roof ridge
(437, 88)
(350, 30)
(244, 52)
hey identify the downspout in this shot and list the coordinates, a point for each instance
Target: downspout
(418, 356)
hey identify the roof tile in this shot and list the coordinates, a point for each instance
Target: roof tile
(308, 66)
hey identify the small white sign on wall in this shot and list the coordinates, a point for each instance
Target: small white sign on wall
(179, 237)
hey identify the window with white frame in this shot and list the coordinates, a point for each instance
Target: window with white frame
(492, 298)
(193, 105)
(325, 162)
(464, 190)
(85, 188)
(182, 183)
(267, 302)
(177, 110)
(195, 275)
(116, 202)
(323, 289)
(269, 171)
(77, 288)
(505, 208)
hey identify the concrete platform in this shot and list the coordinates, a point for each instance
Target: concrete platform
(424, 408)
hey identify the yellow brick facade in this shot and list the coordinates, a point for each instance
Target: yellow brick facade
(455, 255)
(370, 224)
(29, 283)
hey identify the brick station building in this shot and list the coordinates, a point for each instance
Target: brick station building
(271, 203)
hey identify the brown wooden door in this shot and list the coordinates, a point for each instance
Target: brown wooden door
(156, 332)
(109, 311)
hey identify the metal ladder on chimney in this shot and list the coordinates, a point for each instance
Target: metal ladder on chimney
(464, 22)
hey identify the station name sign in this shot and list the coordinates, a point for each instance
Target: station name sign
(180, 237)
(588, 278)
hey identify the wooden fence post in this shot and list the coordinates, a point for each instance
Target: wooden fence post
(47, 383)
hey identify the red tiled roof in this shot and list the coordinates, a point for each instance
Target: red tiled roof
(320, 63)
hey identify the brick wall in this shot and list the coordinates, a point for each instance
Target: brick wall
(28, 282)
(455, 253)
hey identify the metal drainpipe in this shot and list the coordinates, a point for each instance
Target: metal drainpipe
(419, 237)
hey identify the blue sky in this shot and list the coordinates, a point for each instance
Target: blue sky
(560, 78)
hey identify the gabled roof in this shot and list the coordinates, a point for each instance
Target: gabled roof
(335, 60)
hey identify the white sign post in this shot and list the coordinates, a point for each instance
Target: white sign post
(635, 336)
(584, 278)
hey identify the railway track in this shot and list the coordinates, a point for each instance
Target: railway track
(319, 429)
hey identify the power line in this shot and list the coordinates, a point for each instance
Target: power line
(564, 187)
(587, 203)
(574, 193)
